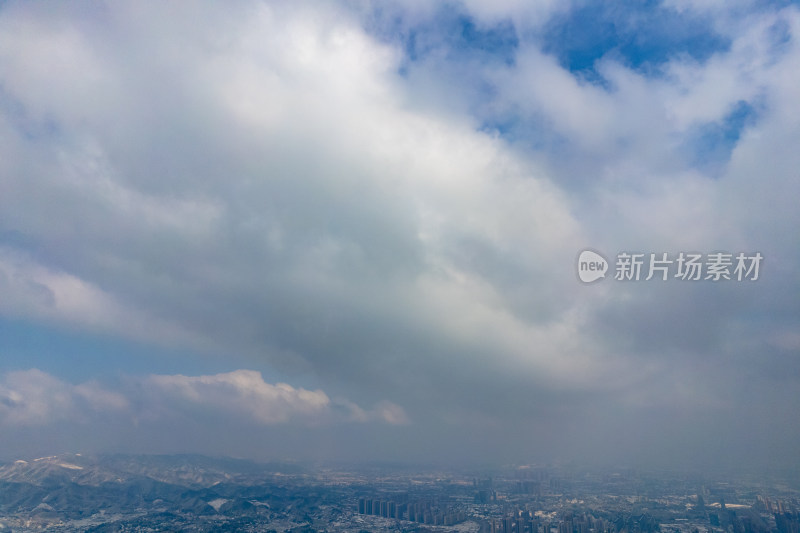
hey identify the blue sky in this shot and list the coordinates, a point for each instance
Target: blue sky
(337, 230)
(641, 35)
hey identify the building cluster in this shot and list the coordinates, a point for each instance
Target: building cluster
(764, 503)
(787, 522)
(519, 522)
(523, 521)
(422, 511)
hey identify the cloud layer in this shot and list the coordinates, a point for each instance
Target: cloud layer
(385, 202)
(32, 397)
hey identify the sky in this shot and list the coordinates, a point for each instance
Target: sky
(350, 230)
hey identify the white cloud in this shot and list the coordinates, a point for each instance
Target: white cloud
(34, 291)
(32, 397)
(35, 398)
(322, 182)
(242, 391)
(392, 414)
